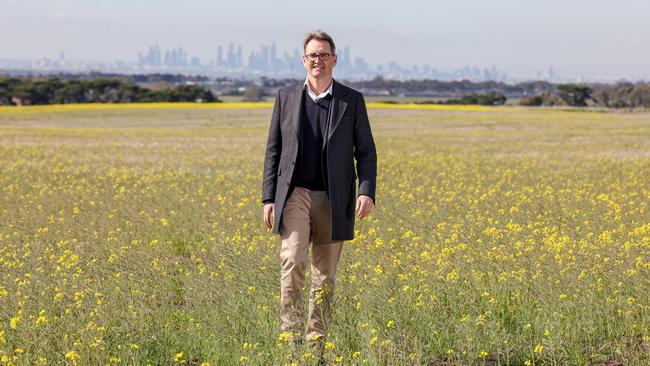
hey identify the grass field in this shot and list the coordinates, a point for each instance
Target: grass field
(501, 236)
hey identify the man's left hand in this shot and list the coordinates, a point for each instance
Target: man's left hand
(364, 206)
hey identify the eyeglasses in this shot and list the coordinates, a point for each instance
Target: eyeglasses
(322, 56)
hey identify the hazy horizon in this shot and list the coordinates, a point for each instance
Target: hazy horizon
(588, 38)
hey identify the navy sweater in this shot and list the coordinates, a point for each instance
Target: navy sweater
(311, 168)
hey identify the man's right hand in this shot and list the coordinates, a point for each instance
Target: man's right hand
(269, 209)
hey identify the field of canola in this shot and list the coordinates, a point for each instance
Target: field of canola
(132, 235)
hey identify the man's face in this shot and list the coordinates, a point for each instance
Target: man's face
(319, 68)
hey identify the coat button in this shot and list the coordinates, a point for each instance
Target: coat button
(293, 163)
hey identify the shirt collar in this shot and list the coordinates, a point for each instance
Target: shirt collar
(313, 95)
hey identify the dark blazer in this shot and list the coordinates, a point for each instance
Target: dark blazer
(349, 138)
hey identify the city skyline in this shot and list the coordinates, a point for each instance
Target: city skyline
(587, 39)
(391, 69)
(268, 61)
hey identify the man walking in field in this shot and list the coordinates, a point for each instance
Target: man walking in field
(318, 129)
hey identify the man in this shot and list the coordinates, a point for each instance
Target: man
(318, 128)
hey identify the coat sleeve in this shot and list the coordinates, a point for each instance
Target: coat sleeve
(272, 155)
(364, 151)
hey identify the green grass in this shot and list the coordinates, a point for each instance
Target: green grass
(513, 236)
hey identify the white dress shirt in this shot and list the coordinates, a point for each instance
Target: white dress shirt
(313, 95)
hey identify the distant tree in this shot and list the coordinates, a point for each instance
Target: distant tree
(190, 93)
(130, 93)
(71, 92)
(551, 99)
(101, 90)
(574, 95)
(254, 94)
(603, 97)
(532, 101)
(37, 92)
(7, 86)
(98, 90)
(491, 99)
(640, 96)
(479, 99)
(622, 95)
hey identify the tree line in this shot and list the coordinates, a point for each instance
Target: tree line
(108, 88)
(534, 93)
(621, 95)
(450, 89)
(14, 91)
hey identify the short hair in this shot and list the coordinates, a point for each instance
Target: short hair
(320, 36)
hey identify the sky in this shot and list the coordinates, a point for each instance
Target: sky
(593, 38)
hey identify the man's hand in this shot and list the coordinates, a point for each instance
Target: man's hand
(364, 206)
(269, 209)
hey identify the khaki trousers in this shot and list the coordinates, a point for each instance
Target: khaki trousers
(306, 218)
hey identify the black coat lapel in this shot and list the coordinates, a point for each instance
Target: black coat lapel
(295, 100)
(339, 104)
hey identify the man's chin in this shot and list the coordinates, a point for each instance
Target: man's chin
(318, 73)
